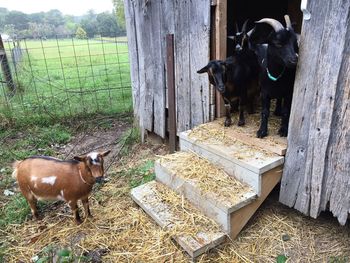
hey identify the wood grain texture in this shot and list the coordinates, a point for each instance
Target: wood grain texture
(315, 170)
(221, 36)
(199, 25)
(148, 22)
(182, 65)
(240, 217)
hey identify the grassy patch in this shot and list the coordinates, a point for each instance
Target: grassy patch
(141, 174)
(68, 77)
(15, 212)
(20, 143)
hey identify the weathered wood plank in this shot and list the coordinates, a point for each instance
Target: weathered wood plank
(167, 19)
(240, 217)
(317, 167)
(143, 59)
(157, 68)
(182, 65)
(337, 180)
(133, 54)
(221, 37)
(295, 179)
(327, 78)
(199, 56)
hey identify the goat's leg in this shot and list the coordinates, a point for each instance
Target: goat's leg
(278, 108)
(262, 132)
(85, 202)
(242, 106)
(283, 131)
(228, 120)
(235, 106)
(32, 203)
(74, 207)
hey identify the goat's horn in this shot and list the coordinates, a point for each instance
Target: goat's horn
(287, 19)
(244, 27)
(250, 32)
(277, 26)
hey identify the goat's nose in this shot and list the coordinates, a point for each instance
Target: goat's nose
(99, 179)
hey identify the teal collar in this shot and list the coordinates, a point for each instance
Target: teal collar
(272, 77)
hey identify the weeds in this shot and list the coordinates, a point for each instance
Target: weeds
(140, 174)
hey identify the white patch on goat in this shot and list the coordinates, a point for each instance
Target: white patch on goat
(93, 155)
(49, 180)
(33, 178)
(94, 158)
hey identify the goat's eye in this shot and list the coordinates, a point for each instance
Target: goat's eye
(90, 161)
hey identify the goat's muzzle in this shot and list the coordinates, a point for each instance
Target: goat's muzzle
(221, 88)
(99, 179)
(292, 62)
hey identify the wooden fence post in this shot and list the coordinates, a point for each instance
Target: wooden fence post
(171, 92)
(6, 69)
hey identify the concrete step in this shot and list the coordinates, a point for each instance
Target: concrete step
(206, 186)
(243, 161)
(195, 233)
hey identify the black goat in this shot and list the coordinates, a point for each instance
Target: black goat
(236, 78)
(278, 60)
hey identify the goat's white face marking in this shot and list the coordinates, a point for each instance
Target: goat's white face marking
(61, 196)
(49, 180)
(94, 158)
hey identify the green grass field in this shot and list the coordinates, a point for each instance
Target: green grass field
(70, 77)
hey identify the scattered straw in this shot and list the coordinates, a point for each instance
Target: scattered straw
(127, 234)
(209, 178)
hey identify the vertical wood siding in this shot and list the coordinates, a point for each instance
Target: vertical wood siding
(148, 22)
(317, 167)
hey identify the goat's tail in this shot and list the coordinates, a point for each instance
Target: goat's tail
(15, 168)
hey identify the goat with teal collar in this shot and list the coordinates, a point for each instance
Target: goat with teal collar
(277, 53)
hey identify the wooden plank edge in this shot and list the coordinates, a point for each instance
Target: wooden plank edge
(261, 143)
(241, 217)
(209, 197)
(193, 247)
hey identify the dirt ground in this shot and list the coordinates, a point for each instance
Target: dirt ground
(121, 232)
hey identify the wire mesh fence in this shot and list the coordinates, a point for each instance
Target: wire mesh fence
(65, 76)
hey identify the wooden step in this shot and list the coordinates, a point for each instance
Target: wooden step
(243, 161)
(206, 186)
(195, 233)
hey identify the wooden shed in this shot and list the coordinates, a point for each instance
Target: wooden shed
(317, 164)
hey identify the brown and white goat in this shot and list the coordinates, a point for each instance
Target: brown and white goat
(47, 178)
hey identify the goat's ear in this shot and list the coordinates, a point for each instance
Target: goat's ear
(103, 154)
(203, 70)
(80, 158)
(231, 37)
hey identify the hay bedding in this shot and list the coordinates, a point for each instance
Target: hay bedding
(129, 235)
(216, 133)
(209, 178)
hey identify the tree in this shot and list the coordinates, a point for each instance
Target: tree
(54, 17)
(80, 34)
(89, 24)
(10, 30)
(18, 19)
(107, 24)
(119, 11)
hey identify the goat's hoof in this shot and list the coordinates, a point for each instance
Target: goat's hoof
(283, 132)
(228, 122)
(261, 134)
(241, 122)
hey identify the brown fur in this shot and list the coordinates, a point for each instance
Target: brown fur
(52, 179)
